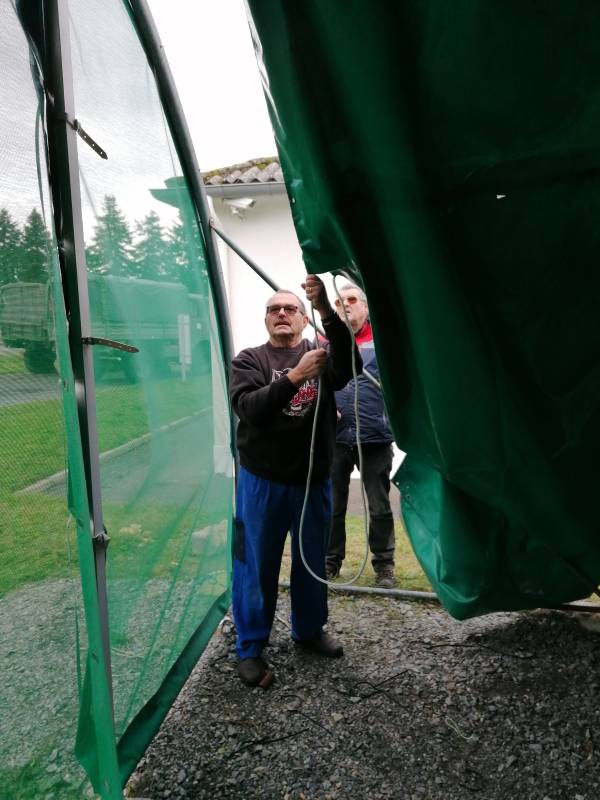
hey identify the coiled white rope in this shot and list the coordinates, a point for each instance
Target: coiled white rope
(360, 462)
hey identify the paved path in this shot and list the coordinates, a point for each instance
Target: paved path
(28, 388)
(167, 468)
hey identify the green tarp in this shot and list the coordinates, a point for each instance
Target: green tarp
(447, 155)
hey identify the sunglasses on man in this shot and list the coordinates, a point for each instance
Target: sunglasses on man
(351, 300)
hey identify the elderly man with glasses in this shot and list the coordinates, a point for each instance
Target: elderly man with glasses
(375, 437)
(274, 390)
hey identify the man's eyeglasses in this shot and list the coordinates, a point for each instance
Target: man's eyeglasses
(289, 310)
(351, 300)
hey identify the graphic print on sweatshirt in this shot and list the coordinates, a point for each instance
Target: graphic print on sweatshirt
(301, 402)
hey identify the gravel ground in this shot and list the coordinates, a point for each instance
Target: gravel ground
(421, 707)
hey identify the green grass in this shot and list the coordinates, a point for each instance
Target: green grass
(39, 541)
(409, 574)
(33, 433)
(34, 539)
(126, 412)
(152, 541)
(12, 364)
(32, 443)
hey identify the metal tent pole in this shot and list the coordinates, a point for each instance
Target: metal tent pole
(429, 597)
(245, 257)
(398, 594)
(65, 175)
(254, 266)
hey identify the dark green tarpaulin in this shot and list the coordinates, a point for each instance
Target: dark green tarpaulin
(448, 153)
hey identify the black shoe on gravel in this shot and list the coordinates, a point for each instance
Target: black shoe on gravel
(332, 571)
(324, 645)
(252, 671)
(384, 578)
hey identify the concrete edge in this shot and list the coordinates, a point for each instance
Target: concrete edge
(108, 455)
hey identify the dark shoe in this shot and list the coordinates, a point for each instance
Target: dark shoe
(384, 578)
(332, 571)
(254, 672)
(324, 645)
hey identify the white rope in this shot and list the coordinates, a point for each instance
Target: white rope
(332, 584)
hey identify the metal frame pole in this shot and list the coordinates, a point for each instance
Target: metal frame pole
(253, 265)
(69, 226)
(245, 257)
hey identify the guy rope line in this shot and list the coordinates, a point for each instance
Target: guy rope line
(332, 584)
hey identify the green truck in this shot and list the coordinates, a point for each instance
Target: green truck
(166, 322)
(26, 322)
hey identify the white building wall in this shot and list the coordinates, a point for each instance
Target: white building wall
(266, 233)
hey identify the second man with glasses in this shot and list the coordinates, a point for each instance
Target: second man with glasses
(375, 437)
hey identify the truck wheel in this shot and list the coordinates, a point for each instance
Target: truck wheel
(145, 365)
(100, 365)
(158, 361)
(201, 358)
(40, 360)
(131, 367)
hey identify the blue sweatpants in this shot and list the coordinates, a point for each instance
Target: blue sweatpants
(265, 512)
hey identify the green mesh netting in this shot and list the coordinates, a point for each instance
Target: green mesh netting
(45, 614)
(166, 473)
(162, 423)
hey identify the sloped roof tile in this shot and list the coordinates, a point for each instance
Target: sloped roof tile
(257, 170)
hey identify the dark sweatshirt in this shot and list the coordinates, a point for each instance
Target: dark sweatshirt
(276, 417)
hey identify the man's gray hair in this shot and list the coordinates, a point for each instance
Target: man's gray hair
(301, 305)
(361, 295)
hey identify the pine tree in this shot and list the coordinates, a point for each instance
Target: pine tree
(111, 251)
(152, 251)
(188, 265)
(10, 248)
(35, 249)
(179, 257)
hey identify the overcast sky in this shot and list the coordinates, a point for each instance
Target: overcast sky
(210, 53)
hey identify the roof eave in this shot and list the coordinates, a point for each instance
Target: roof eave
(245, 189)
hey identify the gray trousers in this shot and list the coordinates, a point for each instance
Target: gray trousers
(377, 464)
